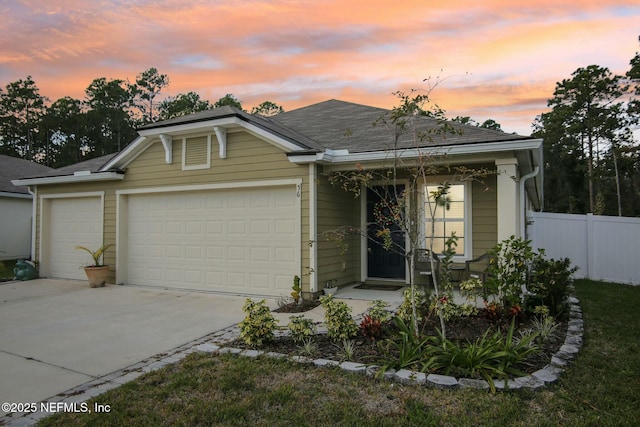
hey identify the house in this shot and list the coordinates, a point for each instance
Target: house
(16, 207)
(225, 201)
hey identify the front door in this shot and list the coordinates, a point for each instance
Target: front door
(383, 263)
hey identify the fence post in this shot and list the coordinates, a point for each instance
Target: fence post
(590, 248)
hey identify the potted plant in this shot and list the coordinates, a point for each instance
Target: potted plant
(97, 272)
(330, 287)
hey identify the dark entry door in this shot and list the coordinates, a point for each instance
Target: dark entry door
(383, 263)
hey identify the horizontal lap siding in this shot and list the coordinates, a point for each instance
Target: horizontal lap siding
(484, 215)
(336, 208)
(248, 159)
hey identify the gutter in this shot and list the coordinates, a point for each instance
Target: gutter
(81, 176)
(14, 195)
(344, 156)
(34, 210)
(523, 214)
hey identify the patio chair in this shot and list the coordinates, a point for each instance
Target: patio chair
(423, 264)
(478, 268)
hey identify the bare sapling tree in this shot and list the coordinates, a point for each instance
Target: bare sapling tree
(400, 188)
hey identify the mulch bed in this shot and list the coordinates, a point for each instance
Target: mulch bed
(292, 307)
(371, 352)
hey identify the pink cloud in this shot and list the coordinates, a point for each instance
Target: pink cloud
(499, 58)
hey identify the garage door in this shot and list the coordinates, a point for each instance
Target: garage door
(241, 241)
(73, 222)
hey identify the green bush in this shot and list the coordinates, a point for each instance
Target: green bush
(259, 325)
(338, 320)
(371, 327)
(422, 305)
(510, 270)
(448, 309)
(550, 282)
(378, 310)
(301, 328)
(406, 349)
(490, 356)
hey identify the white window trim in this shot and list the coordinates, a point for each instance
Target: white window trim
(468, 210)
(206, 165)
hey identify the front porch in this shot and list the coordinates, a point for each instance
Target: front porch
(392, 296)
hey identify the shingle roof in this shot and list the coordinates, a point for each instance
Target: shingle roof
(92, 165)
(14, 168)
(337, 125)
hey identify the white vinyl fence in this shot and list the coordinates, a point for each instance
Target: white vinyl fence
(602, 247)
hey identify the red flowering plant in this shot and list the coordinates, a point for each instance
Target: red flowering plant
(515, 310)
(371, 327)
(492, 311)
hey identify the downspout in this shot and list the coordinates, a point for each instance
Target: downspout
(34, 203)
(523, 214)
(313, 227)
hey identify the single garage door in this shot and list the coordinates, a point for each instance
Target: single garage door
(242, 240)
(72, 222)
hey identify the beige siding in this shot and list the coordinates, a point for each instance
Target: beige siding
(484, 216)
(248, 159)
(337, 208)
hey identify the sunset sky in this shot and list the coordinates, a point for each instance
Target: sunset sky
(493, 59)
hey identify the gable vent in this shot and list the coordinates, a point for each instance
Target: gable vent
(196, 152)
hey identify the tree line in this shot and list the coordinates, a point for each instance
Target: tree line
(591, 150)
(70, 130)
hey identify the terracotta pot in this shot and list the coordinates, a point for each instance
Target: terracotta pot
(97, 275)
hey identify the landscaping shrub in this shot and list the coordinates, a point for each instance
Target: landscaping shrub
(371, 327)
(406, 348)
(550, 282)
(421, 301)
(378, 310)
(510, 270)
(493, 355)
(301, 328)
(259, 325)
(338, 320)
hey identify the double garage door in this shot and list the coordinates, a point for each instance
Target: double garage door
(240, 240)
(244, 241)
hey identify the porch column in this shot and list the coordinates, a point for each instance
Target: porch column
(508, 198)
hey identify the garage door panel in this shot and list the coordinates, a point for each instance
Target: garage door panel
(72, 222)
(259, 281)
(233, 241)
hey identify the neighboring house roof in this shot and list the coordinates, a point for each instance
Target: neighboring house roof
(14, 168)
(91, 165)
(87, 170)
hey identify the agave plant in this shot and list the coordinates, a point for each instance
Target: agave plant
(96, 255)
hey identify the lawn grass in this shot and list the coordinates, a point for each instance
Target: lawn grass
(6, 269)
(601, 388)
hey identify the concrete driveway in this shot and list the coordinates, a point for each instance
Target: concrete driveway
(57, 334)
